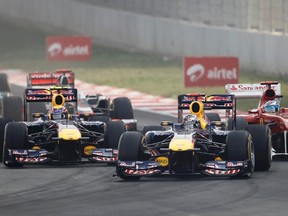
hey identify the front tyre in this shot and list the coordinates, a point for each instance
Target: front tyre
(15, 138)
(130, 149)
(261, 136)
(239, 147)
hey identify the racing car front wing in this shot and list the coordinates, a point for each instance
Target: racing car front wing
(211, 168)
(104, 155)
(41, 156)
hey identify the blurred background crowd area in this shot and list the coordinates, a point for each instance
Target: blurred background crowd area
(269, 16)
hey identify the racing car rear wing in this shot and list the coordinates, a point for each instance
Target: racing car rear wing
(254, 90)
(215, 101)
(32, 95)
(49, 78)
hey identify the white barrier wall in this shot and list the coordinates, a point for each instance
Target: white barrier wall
(258, 52)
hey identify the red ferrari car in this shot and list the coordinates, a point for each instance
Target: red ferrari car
(268, 112)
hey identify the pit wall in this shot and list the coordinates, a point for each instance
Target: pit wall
(257, 52)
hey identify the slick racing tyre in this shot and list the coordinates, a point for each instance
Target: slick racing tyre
(114, 130)
(12, 108)
(3, 122)
(239, 147)
(15, 138)
(4, 85)
(130, 149)
(261, 136)
(213, 116)
(122, 108)
(241, 124)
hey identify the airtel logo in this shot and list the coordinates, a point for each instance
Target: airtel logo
(54, 49)
(195, 72)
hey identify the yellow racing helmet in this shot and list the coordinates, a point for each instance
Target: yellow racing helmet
(58, 100)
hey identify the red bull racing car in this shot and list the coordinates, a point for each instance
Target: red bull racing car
(268, 112)
(58, 136)
(196, 145)
(103, 108)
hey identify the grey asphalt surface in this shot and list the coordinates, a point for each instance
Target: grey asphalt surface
(91, 189)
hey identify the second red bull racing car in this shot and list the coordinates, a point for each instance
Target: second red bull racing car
(195, 145)
(59, 136)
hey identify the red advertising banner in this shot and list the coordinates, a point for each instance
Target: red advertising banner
(68, 48)
(210, 71)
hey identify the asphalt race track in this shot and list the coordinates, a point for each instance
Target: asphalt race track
(91, 189)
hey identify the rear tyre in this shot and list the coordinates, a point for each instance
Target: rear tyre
(15, 138)
(4, 85)
(114, 130)
(12, 108)
(239, 147)
(130, 149)
(241, 124)
(213, 116)
(122, 108)
(261, 136)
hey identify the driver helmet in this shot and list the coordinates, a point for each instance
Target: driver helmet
(58, 110)
(271, 106)
(58, 113)
(191, 121)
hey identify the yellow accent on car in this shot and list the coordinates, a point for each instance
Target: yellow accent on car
(69, 134)
(197, 108)
(36, 148)
(58, 100)
(88, 149)
(163, 161)
(181, 145)
(218, 159)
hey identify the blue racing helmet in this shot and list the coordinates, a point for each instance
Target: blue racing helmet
(271, 106)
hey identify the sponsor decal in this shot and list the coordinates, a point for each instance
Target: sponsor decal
(222, 172)
(219, 98)
(30, 159)
(163, 161)
(69, 48)
(88, 150)
(127, 164)
(254, 89)
(210, 71)
(105, 159)
(234, 164)
(140, 172)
